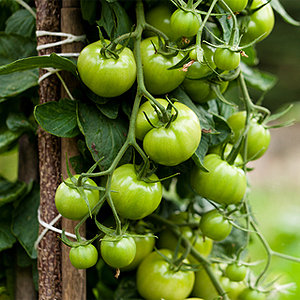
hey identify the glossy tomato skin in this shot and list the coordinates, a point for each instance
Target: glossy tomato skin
(133, 198)
(261, 22)
(106, 77)
(184, 23)
(158, 79)
(70, 204)
(232, 288)
(214, 225)
(83, 257)
(176, 143)
(169, 241)
(236, 272)
(235, 5)
(259, 137)
(144, 246)
(224, 183)
(159, 16)
(250, 294)
(156, 281)
(119, 253)
(226, 59)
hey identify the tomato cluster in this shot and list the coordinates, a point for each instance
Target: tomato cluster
(178, 186)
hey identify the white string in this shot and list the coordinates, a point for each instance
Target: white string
(70, 38)
(50, 72)
(50, 227)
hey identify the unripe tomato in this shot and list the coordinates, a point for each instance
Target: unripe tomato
(261, 22)
(134, 198)
(232, 288)
(236, 272)
(235, 5)
(185, 23)
(158, 79)
(223, 183)
(106, 77)
(225, 59)
(83, 257)
(69, 202)
(250, 294)
(215, 226)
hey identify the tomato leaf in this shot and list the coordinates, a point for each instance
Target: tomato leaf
(25, 223)
(104, 136)
(8, 138)
(7, 238)
(89, 9)
(58, 118)
(277, 6)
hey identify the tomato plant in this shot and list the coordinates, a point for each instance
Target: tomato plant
(174, 143)
(70, 202)
(229, 181)
(134, 197)
(226, 59)
(235, 5)
(158, 79)
(106, 76)
(215, 225)
(165, 282)
(83, 257)
(261, 22)
(259, 136)
(118, 253)
(185, 23)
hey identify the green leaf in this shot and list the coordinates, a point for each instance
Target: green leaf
(88, 10)
(277, 6)
(25, 223)
(21, 22)
(29, 63)
(201, 151)
(257, 79)
(16, 121)
(110, 109)
(58, 118)
(8, 139)
(222, 127)
(10, 191)
(104, 137)
(7, 238)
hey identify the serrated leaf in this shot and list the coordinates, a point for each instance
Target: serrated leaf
(277, 6)
(110, 109)
(7, 238)
(104, 137)
(222, 128)
(10, 191)
(58, 118)
(25, 223)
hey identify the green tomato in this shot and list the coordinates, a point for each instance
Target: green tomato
(119, 253)
(83, 257)
(235, 5)
(232, 288)
(159, 16)
(185, 23)
(261, 22)
(223, 183)
(168, 240)
(250, 294)
(134, 198)
(106, 77)
(214, 225)
(259, 137)
(236, 272)
(158, 79)
(156, 280)
(226, 59)
(70, 203)
(144, 246)
(176, 143)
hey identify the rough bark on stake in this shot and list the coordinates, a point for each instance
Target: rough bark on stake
(49, 250)
(73, 280)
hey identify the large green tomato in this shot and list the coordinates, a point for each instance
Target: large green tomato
(168, 240)
(69, 202)
(215, 226)
(106, 77)
(173, 144)
(159, 16)
(156, 281)
(144, 246)
(235, 5)
(119, 253)
(134, 198)
(250, 294)
(158, 79)
(223, 183)
(185, 23)
(259, 137)
(83, 257)
(261, 22)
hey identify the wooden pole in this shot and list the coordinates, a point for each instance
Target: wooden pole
(49, 249)
(73, 280)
